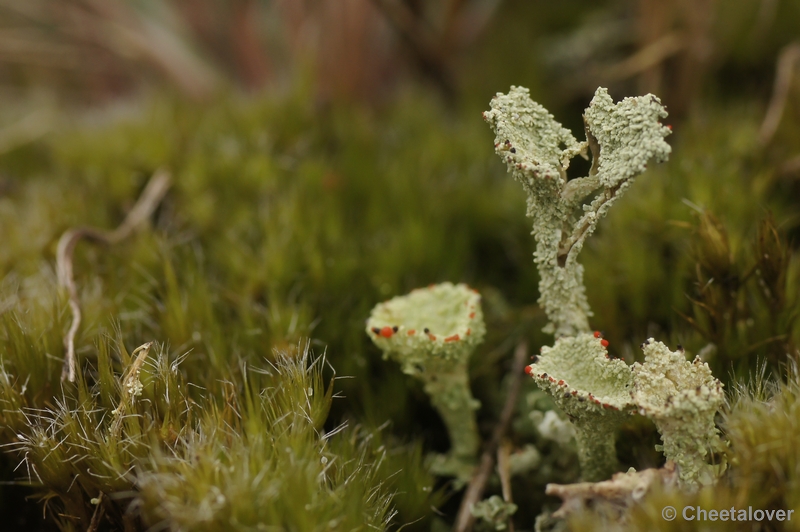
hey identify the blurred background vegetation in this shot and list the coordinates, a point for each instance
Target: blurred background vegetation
(330, 154)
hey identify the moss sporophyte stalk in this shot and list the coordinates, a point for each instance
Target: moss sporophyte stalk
(431, 333)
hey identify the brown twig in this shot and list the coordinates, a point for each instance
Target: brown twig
(503, 471)
(151, 196)
(787, 60)
(424, 44)
(98, 514)
(465, 519)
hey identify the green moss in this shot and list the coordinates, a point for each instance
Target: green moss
(286, 221)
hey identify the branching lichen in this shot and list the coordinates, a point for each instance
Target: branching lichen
(432, 332)
(621, 137)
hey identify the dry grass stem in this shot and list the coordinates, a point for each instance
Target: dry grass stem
(151, 196)
(504, 472)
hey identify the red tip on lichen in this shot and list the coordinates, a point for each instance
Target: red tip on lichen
(432, 337)
(597, 334)
(471, 315)
(412, 332)
(528, 370)
(454, 338)
(604, 343)
(387, 332)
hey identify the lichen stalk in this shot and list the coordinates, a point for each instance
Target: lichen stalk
(451, 397)
(597, 453)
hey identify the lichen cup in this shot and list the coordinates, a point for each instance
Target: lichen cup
(594, 391)
(432, 332)
(682, 398)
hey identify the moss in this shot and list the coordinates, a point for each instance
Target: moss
(288, 220)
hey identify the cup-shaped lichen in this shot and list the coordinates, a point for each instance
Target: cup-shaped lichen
(594, 390)
(432, 332)
(682, 398)
(622, 139)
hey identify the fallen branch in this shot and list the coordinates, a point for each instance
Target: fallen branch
(787, 61)
(477, 485)
(151, 196)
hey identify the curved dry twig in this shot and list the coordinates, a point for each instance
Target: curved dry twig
(151, 196)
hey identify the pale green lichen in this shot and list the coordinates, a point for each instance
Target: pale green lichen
(621, 137)
(552, 427)
(494, 513)
(431, 333)
(593, 390)
(682, 398)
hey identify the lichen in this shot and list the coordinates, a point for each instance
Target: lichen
(621, 138)
(593, 390)
(431, 333)
(552, 427)
(537, 150)
(682, 398)
(494, 513)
